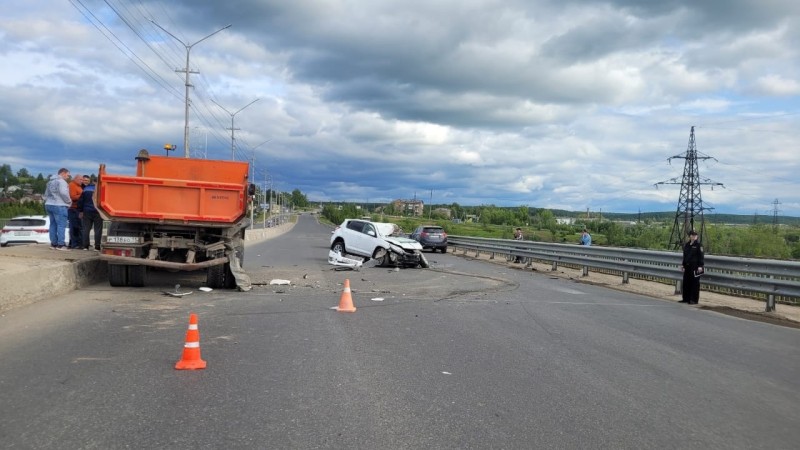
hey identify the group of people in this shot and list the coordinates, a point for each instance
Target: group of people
(70, 203)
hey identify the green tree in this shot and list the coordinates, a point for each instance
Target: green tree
(7, 176)
(299, 199)
(547, 220)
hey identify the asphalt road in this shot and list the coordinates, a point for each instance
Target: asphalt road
(463, 355)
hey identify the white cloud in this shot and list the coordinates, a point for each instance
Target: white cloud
(777, 85)
(572, 105)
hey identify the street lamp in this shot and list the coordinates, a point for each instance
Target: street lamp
(253, 172)
(187, 71)
(233, 154)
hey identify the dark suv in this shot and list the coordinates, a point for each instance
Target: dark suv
(431, 236)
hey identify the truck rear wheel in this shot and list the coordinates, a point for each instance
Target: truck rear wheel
(117, 275)
(230, 281)
(215, 276)
(137, 276)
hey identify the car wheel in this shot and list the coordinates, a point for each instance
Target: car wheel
(386, 261)
(4, 245)
(338, 247)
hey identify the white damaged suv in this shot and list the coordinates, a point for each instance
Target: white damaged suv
(383, 242)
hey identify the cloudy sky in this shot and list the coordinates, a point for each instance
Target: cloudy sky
(568, 104)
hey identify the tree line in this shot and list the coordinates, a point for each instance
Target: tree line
(758, 240)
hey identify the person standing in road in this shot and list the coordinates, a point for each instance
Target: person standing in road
(518, 237)
(90, 218)
(75, 190)
(692, 267)
(586, 238)
(56, 203)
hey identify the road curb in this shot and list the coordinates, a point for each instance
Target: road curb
(30, 273)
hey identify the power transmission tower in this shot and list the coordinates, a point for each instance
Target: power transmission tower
(775, 211)
(690, 204)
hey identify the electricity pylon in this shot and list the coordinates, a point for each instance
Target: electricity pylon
(775, 212)
(689, 215)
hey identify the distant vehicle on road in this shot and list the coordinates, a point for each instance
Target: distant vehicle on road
(381, 241)
(431, 236)
(28, 230)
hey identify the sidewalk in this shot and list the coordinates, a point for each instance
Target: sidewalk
(746, 308)
(32, 272)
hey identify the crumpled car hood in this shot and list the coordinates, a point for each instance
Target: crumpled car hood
(406, 243)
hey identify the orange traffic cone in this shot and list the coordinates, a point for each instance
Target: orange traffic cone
(190, 360)
(346, 300)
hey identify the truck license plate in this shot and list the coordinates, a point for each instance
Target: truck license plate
(122, 239)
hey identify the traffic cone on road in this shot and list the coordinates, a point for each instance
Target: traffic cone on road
(190, 360)
(346, 300)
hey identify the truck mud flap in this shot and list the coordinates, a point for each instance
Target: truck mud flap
(242, 279)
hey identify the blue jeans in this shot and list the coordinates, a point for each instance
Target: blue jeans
(58, 224)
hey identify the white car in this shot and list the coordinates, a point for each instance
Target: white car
(381, 241)
(28, 230)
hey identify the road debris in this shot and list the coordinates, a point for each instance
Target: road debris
(337, 259)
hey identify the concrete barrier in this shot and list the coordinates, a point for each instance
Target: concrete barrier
(29, 273)
(256, 235)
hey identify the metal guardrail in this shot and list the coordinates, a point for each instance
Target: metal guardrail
(767, 279)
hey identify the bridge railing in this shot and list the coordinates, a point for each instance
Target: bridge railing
(765, 279)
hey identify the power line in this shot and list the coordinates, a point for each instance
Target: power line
(122, 47)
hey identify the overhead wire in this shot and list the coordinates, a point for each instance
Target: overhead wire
(123, 48)
(137, 16)
(149, 33)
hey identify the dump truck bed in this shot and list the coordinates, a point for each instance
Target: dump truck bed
(181, 191)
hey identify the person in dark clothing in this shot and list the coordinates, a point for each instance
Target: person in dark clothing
(89, 216)
(692, 267)
(75, 189)
(518, 237)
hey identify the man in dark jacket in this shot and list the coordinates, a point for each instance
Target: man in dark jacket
(90, 218)
(692, 267)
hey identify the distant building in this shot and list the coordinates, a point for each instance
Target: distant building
(444, 212)
(565, 220)
(412, 207)
(33, 198)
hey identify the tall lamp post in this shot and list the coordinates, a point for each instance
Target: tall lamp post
(253, 171)
(233, 153)
(187, 71)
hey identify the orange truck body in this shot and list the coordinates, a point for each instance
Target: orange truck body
(177, 214)
(176, 190)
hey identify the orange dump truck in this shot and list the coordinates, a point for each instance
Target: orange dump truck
(177, 214)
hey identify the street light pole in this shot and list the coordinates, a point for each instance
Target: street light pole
(187, 71)
(233, 153)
